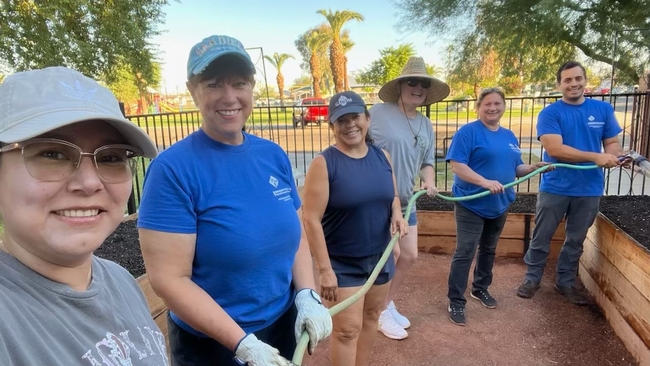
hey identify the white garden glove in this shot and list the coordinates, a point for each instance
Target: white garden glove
(253, 352)
(312, 317)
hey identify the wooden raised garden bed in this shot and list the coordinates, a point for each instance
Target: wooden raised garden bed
(614, 267)
(437, 228)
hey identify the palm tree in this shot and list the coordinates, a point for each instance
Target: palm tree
(434, 70)
(277, 61)
(317, 40)
(336, 21)
(347, 46)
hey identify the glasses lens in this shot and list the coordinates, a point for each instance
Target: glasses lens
(115, 164)
(50, 161)
(423, 82)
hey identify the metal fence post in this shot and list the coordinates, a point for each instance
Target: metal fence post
(131, 207)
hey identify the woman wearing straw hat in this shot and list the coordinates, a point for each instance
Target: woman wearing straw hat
(408, 136)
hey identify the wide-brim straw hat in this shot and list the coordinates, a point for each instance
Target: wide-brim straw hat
(415, 68)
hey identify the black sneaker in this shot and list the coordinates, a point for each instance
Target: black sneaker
(527, 289)
(574, 294)
(485, 298)
(457, 314)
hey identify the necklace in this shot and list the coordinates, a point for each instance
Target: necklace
(416, 136)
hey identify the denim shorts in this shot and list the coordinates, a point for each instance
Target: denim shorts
(413, 219)
(355, 271)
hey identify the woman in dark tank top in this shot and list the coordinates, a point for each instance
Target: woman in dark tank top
(350, 211)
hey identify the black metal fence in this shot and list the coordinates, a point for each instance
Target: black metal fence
(302, 144)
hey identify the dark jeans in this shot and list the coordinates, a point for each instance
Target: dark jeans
(190, 350)
(473, 231)
(580, 213)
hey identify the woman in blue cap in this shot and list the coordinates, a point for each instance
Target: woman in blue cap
(351, 210)
(220, 229)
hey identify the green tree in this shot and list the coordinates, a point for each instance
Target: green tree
(388, 66)
(128, 85)
(278, 60)
(312, 46)
(91, 36)
(515, 25)
(474, 62)
(434, 70)
(259, 93)
(336, 21)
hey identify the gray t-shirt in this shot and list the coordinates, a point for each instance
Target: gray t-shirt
(43, 322)
(409, 141)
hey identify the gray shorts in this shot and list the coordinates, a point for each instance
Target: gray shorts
(355, 271)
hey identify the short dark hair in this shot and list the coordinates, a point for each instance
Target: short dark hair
(569, 65)
(488, 91)
(222, 67)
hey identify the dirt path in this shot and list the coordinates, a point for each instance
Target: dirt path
(546, 330)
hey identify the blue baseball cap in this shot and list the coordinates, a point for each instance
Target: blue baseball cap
(210, 49)
(343, 103)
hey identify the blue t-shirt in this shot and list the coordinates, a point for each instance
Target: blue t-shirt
(241, 203)
(583, 127)
(494, 155)
(356, 222)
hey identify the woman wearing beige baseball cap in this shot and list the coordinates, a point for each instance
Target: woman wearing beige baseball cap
(66, 168)
(399, 128)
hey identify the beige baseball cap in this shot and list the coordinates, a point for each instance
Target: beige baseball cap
(38, 101)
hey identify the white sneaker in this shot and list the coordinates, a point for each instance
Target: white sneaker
(389, 327)
(399, 318)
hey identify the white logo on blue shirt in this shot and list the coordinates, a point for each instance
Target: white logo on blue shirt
(273, 181)
(515, 148)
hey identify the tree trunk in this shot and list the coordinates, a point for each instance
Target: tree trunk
(316, 76)
(336, 63)
(280, 80)
(346, 84)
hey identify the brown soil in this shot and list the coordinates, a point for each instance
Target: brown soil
(545, 330)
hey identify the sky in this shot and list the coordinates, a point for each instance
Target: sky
(274, 26)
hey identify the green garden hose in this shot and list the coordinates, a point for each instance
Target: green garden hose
(304, 338)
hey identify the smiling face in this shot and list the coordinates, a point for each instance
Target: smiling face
(490, 108)
(224, 95)
(61, 223)
(572, 84)
(350, 129)
(411, 97)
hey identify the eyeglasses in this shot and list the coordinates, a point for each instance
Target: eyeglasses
(53, 160)
(424, 83)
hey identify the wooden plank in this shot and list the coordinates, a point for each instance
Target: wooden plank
(444, 223)
(630, 339)
(632, 305)
(627, 255)
(446, 244)
(156, 304)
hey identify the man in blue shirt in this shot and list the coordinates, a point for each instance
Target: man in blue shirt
(579, 131)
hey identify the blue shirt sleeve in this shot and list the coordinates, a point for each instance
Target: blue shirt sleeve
(612, 128)
(166, 203)
(548, 123)
(461, 147)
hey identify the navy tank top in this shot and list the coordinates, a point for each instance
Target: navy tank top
(356, 222)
